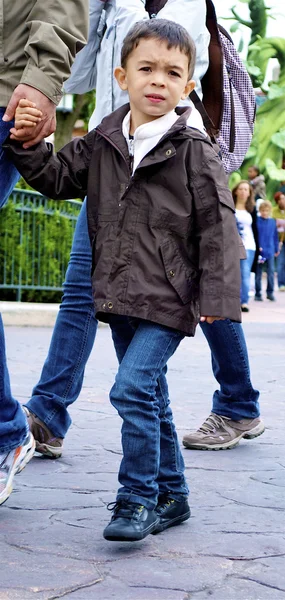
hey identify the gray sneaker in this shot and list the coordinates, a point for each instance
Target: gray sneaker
(46, 443)
(221, 433)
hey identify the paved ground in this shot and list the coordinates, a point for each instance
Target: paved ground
(232, 548)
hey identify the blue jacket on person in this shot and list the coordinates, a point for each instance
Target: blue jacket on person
(268, 237)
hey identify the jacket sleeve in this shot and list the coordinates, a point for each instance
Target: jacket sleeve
(56, 32)
(217, 238)
(59, 176)
(84, 71)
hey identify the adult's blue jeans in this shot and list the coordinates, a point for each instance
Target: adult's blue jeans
(281, 266)
(73, 337)
(13, 425)
(269, 266)
(245, 270)
(152, 461)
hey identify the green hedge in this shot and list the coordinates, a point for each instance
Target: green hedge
(41, 257)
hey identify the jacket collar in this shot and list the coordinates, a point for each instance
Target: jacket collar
(111, 127)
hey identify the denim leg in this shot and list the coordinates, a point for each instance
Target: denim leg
(13, 423)
(258, 277)
(281, 266)
(144, 356)
(8, 173)
(236, 399)
(245, 269)
(72, 341)
(270, 275)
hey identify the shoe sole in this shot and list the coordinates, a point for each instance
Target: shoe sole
(247, 435)
(176, 521)
(134, 538)
(17, 469)
(48, 451)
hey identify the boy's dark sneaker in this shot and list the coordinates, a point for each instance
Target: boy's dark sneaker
(130, 522)
(171, 512)
(270, 297)
(258, 298)
(46, 442)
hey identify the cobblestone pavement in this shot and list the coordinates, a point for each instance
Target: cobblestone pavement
(233, 547)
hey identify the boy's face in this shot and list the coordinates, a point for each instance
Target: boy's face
(265, 212)
(156, 79)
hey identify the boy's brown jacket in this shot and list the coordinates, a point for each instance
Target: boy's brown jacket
(165, 244)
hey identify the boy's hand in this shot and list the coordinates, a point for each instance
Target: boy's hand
(211, 320)
(26, 115)
(276, 254)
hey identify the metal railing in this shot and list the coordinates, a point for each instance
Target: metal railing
(35, 241)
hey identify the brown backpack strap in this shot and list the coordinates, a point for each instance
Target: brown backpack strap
(212, 81)
(154, 6)
(208, 123)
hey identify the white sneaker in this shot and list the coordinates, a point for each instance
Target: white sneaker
(13, 463)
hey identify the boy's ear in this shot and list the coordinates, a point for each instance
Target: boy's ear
(189, 87)
(121, 77)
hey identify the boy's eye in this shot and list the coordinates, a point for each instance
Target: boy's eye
(174, 73)
(145, 69)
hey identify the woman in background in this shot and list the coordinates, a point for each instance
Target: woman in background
(246, 220)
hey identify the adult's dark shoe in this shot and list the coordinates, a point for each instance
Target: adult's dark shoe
(46, 442)
(258, 298)
(130, 522)
(171, 512)
(271, 297)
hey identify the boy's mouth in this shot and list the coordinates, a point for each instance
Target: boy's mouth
(156, 98)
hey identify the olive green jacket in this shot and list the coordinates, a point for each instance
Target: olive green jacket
(38, 43)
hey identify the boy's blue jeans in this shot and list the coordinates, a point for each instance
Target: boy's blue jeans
(269, 265)
(73, 338)
(152, 461)
(13, 424)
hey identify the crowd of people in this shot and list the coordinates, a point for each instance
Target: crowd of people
(157, 230)
(262, 229)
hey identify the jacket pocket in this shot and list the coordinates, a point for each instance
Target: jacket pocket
(183, 277)
(226, 198)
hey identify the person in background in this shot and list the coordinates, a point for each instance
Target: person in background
(257, 182)
(246, 220)
(268, 250)
(38, 45)
(278, 213)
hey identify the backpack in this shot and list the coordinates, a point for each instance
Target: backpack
(228, 107)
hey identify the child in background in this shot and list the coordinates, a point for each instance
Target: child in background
(257, 181)
(165, 252)
(268, 250)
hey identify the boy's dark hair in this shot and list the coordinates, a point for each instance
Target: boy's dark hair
(162, 30)
(257, 170)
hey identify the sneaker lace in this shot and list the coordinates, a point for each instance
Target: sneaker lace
(164, 501)
(125, 509)
(212, 423)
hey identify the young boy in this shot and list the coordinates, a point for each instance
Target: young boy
(268, 249)
(165, 254)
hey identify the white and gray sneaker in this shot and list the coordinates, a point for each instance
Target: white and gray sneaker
(12, 463)
(221, 433)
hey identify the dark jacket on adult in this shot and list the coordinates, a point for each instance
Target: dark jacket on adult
(165, 242)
